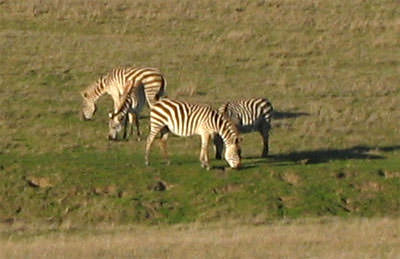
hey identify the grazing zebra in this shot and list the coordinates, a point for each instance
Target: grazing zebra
(248, 115)
(185, 119)
(115, 84)
(132, 106)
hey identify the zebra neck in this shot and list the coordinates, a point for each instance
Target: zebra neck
(224, 129)
(95, 91)
(124, 109)
(132, 100)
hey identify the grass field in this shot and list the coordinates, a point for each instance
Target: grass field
(330, 68)
(355, 238)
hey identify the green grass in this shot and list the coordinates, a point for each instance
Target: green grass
(330, 68)
(90, 186)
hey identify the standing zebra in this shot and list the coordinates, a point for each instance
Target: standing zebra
(185, 119)
(248, 115)
(132, 106)
(116, 84)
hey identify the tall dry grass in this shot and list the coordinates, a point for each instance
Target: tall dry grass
(323, 238)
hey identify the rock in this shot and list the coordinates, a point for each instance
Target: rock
(160, 186)
(39, 182)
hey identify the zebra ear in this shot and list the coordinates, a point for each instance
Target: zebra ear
(120, 118)
(224, 108)
(84, 94)
(110, 115)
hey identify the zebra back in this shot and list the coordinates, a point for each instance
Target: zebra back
(117, 80)
(185, 119)
(247, 112)
(153, 82)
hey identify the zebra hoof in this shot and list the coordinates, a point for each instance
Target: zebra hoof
(138, 139)
(207, 167)
(264, 153)
(110, 138)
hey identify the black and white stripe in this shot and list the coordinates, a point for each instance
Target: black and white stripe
(186, 119)
(127, 114)
(248, 115)
(115, 83)
(154, 83)
(119, 84)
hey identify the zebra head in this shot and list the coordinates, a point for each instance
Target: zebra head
(88, 107)
(232, 154)
(231, 138)
(115, 125)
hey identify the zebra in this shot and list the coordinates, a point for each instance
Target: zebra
(115, 84)
(248, 115)
(129, 111)
(187, 119)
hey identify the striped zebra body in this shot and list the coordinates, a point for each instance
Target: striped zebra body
(119, 83)
(186, 119)
(248, 115)
(154, 83)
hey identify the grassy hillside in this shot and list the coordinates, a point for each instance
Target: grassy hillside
(330, 68)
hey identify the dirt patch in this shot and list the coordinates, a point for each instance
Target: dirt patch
(370, 186)
(229, 188)
(106, 190)
(291, 178)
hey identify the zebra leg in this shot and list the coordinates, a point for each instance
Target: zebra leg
(219, 146)
(264, 131)
(163, 144)
(153, 133)
(138, 133)
(130, 119)
(126, 122)
(205, 139)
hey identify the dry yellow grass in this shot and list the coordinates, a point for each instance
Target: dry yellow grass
(323, 238)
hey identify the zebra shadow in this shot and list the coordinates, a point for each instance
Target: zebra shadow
(279, 115)
(227, 168)
(326, 155)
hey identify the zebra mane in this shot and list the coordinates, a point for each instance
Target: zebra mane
(90, 91)
(233, 127)
(129, 87)
(223, 109)
(230, 126)
(126, 101)
(228, 114)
